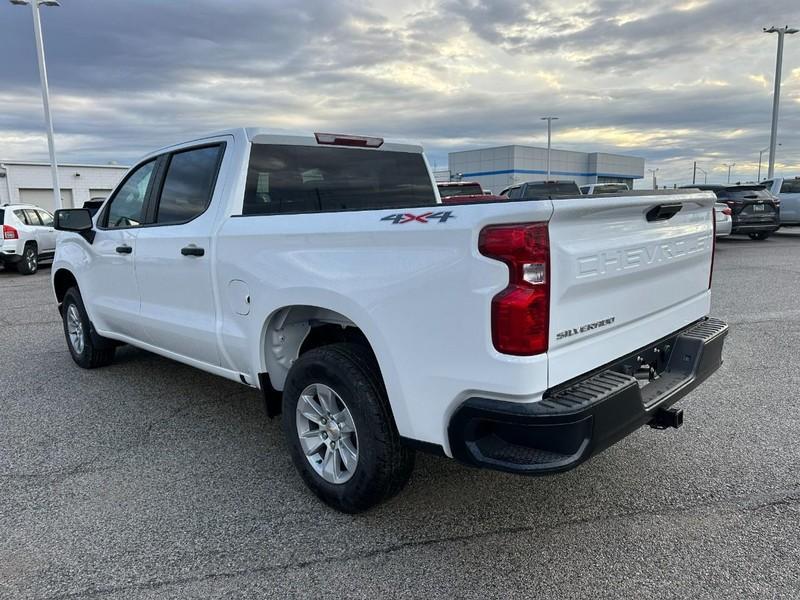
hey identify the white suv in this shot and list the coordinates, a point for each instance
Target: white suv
(28, 237)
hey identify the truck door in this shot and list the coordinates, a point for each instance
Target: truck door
(173, 255)
(110, 288)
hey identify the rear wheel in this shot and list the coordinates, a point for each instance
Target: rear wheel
(339, 427)
(29, 263)
(759, 235)
(88, 349)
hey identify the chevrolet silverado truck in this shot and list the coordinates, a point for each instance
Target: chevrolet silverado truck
(522, 336)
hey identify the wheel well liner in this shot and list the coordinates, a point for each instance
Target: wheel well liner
(62, 281)
(294, 330)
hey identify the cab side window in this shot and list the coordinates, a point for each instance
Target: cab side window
(127, 207)
(188, 184)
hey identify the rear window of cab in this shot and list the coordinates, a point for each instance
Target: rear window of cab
(287, 179)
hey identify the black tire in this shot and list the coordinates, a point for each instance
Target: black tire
(95, 351)
(384, 465)
(759, 235)
(29, 263)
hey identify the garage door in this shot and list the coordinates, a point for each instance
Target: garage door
(43, 198)
(99, 194)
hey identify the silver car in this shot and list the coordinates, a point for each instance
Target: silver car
(788, 192)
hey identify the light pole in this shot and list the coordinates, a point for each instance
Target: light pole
(730, 166)
(654, 171)
(776, 94)
(549, 131)
(37, 30)
(760, 154)
(705, 174)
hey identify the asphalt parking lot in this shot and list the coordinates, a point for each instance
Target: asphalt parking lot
(149, 479)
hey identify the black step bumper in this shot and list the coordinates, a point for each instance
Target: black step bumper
(584, 417)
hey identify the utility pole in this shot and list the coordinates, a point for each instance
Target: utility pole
(654, 171)
(549, 131)
(694, 173)
(776, 94)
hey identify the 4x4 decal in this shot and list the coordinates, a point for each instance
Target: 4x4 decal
(401, 218)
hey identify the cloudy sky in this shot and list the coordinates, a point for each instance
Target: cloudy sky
(673, 81)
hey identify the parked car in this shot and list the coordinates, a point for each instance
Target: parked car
(755, 212)
(94, 205)
(28, 237)
(604, 188)
(788, 192)
(724, 221)
(316, 269)
(541, 190)
(459, 192)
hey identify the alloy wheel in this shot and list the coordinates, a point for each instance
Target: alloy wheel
(75, 329)
(327, 433)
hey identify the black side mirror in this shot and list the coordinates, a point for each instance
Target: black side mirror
(77, 220)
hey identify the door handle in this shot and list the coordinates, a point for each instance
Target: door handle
(663, 212)
(124, 249)
(192, 251)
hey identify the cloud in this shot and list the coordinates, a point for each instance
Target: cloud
(671, 82)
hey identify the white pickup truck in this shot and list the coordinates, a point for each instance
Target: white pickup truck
(523, 336)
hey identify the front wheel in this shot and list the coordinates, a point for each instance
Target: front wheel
(339, 427)
(759, 235)
(88, 350)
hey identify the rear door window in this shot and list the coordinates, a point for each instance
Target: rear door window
(791, 186)
(188, 185)
(23, 218)
(33, 217)
(45, 217)
(305, 179)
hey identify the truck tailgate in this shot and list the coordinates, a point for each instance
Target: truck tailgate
(624, 274)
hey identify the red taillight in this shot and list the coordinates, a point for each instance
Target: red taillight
(9, 233)
(713, 243)
(521, 312)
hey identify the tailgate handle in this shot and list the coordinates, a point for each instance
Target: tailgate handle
(662, 212)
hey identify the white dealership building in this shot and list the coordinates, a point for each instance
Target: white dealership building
(32, 183)
(497, 168)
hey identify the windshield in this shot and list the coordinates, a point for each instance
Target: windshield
(549, 189)
(305, 179)
(610, 188)
(470, 189)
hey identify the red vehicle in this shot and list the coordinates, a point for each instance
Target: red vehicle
(458, 192)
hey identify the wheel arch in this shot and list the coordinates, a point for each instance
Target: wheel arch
(292, 330)
(63, 280)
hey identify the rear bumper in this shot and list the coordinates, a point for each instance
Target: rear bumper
(747, 226)
(586, 416)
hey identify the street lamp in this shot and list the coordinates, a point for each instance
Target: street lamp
(730, 166)
(776, 94)
(705, 174)
(37, 30)
(654, 171)
(549, 131)
(760, 154)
